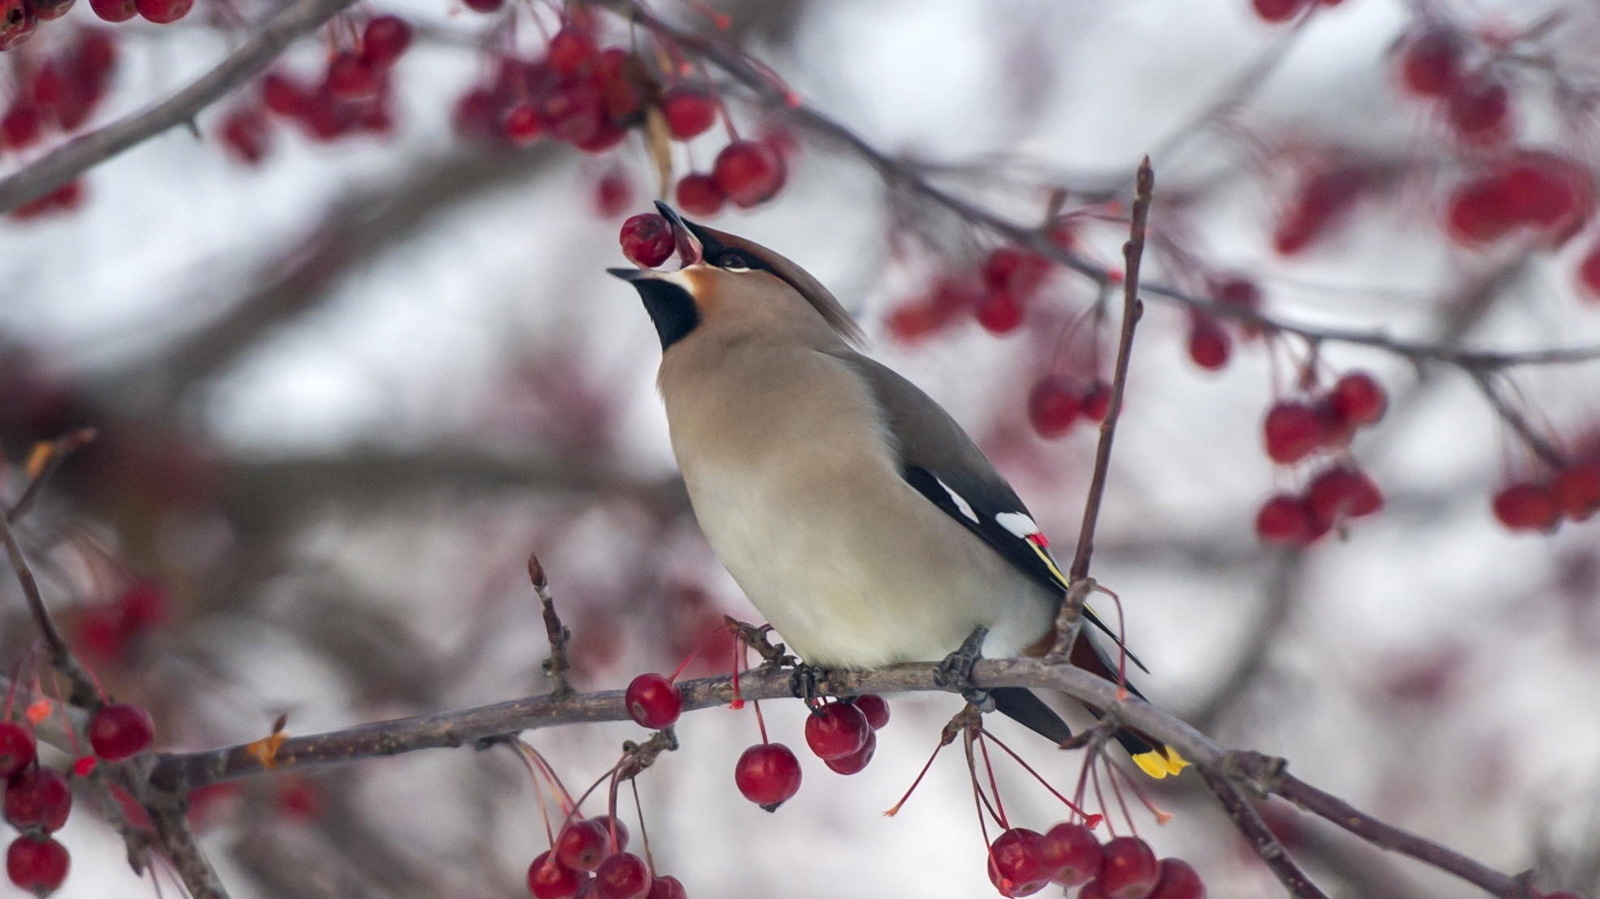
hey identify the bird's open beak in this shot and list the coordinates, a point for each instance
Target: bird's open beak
(691, 243)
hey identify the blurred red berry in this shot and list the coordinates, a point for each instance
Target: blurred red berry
(573, 51)
(384, 40)
(1358, 398)
(690, 112)
(768, 774)
(1053, 406)
(21, 126)
(246, 134)
(163, 12)
(1430, 62)
(18, 748)
(1209, 346)
(120, 730)
(698, 194)
(1291, 432)
(749, 173)
(1526, 507)
(1285, 520)
(483, 5)
(37, 864)
(1278, 10)
(999, 312)
(38, 799)
(613, 194)
(1319, 206)
(1576, 491)
(1340, 492)
(1479, 110)
(114, 10)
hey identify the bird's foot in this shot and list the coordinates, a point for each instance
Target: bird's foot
(955, 671)
(808, 682)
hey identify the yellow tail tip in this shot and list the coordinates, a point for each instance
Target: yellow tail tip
(1159, 763)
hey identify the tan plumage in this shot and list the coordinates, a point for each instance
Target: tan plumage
(853, 511)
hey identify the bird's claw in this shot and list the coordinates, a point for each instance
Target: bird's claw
(955, 671)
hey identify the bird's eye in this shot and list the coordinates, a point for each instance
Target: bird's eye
(732, 260)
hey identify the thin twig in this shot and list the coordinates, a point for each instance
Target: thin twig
(555, 667)
(1133, 254)
(58, 450)
(1517, 421)
(1260, 837)
(180, 847)
(84, 694)
(84, 152)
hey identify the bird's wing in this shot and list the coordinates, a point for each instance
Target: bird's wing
(941, 462)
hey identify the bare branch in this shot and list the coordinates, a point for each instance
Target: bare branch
(84, 693)
(84, 152)
(182, 849)
(556, 666)
(1259, 836)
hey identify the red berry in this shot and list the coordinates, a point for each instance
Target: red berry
(1358, 398)
(622, 875)
(1479, 109)
(581, 845)
(1576, 491)
(613, 194)
(572, 112)
(1285, 520)
(37, 864)
(17, 23)
(548, 878)
(1430, 63)
(384, 40)
(1015, 867)
(483, 5)
(280, 94)
(1320, 205)
(1092, 890)
(1209, 346)
(1339, 492)
(1526, 507)
(1019, 272)
(1278, 10)
(1179, 880)
(17, 748)
(857, 761)
(768, 774)
(114, 10)
(120, 730)
(1070, 853)
(653, 701)
(648, 240)
(38, 799)
(667, 887)
(836, 730)
(573, 51)
(521, 124)
(1129, 869)
(689, 111)
(164, 12)
(999, 312)
(610, 824)
(749, 173)
(1589, 273)
(351, 76)
(21, 126)
(875, 707)
(699, 195)
(1292, 431)
(1053, 406)
(245, 134)
(1096, 401)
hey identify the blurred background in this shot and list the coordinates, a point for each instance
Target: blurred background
(344, 390)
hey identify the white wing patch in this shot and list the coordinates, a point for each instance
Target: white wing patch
(1020, 525)
(961, 504)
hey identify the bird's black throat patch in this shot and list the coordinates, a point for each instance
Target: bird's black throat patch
(671, 309)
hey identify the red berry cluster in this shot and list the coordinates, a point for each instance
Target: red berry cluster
(1570, 494)
(996, 296)
(1023, 862)
(56, 97)
(353, 95)
(19, 19)
(844, 734)
(1295, 430)
(591, 96)
(37, 802)
(1474, 99)
(589, 859)
(1057, 402)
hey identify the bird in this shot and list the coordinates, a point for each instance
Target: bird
(852, 510)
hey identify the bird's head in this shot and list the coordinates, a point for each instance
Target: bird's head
(728, 281)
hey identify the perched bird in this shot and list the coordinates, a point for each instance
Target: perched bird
(853, 511)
